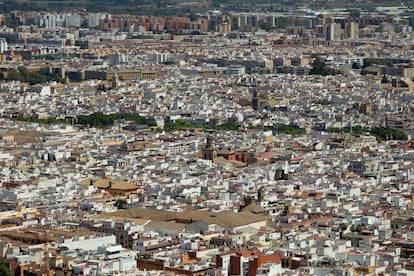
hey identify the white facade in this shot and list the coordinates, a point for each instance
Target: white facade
(72, 20)
(115, 59)
(94, 19)
(3, 45)
(269, 269)
(159, 57)
(88, 244)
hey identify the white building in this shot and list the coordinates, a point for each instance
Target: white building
(47, 21)
(3, 45)
(72, 20)
(94, 19)
(116, 59)
(269, 269)
(159, 57)
(88, 243)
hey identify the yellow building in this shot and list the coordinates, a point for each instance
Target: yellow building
(121, 75)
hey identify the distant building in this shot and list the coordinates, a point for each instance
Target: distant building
(47, 21)
(352, 30)
(93, 20)
(333, 32)
(83, 43)
(159, 57)
(118, 58)
(72, 20)
(236, 70)
(398, 70)
(367, 167)
(209, 152)
(295, 30)
(248, 262)
(3, 45)
(123, 75)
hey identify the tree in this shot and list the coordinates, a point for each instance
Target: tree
(120, 203)
(84, 24)
(356, 228)
(15, 75)
(386, 133)
(342, 227)
(289, 129)
(4, 268)
(281, 22)
(282, 70)
(285, 210)
(319, 67)
(23, 71)
(32, 77)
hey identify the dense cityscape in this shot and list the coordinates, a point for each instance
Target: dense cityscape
(219, 142)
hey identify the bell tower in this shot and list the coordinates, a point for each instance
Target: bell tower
(209, 151)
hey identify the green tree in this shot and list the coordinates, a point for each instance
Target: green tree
(282, 70)
(24, 72)
(15, 75)
(227, 126)
(32, 77)
(288, 129)
(319, 67)
(120, 203)
(84, 24)
(285, 210)
(386, 133)
(4, 268)
(356, 228)
(342, 227)
(281, 22)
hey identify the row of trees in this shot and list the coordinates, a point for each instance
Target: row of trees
(357, 130)
(288, 129)
(386, 133)
(101, 120)
(183, 124)
(97, 119)
(32, 77)
(319, 67)
(381, 133)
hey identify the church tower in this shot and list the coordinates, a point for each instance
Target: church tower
(255, 100)
(209, 151)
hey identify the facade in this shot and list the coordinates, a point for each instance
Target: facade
(352, 30)
(3, 46)
(209, 152)
(333, 32)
